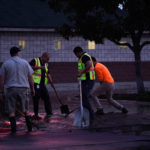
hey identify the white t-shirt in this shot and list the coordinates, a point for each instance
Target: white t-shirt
(16, 72)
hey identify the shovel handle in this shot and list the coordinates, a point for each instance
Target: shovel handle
(56, 93)
(22, 114)
(81, 102)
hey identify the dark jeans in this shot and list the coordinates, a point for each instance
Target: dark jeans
(87, 86)
(41, 92)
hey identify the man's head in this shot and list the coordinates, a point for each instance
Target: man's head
(14, 51)
(78, 51)
(45, 57)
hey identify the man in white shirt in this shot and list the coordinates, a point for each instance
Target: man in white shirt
(16, 76)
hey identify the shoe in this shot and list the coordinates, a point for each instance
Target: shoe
(91, 125)
(99, 112)
(36, 117)
(47, 118)
(124, 110)
(12, 124)
(28, 123)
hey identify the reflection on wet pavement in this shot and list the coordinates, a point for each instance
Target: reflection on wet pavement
(137, 120)
(57, 121)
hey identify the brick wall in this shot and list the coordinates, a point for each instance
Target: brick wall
(63, 67)
(39, 42)
(65, 72)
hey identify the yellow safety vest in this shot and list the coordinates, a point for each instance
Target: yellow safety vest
(38, 72)
(81, 66)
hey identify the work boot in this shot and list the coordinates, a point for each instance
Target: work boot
(47, 118)
(99, 112)
(12, 124)
(36, 117)
(28, 123)
(124, 110)
(91, 125)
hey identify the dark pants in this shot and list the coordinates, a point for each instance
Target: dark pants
(87, 86)
(41, 92)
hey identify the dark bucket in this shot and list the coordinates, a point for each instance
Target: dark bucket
(64, 109)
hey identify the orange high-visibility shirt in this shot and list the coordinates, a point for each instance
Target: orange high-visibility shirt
(103, 74)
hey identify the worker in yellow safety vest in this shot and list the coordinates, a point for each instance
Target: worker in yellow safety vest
(41, 77)
(86, 74)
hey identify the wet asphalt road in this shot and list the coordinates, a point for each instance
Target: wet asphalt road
(113, 131)
(74, 140)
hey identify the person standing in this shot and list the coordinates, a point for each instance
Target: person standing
(87, 76)
(106, 85)
(41, 77)
(16, 75)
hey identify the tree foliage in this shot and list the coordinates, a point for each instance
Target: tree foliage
(100, 19)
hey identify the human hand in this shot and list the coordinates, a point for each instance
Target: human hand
(42, 67)
(1, 95)
(80, 73)
(32, 92)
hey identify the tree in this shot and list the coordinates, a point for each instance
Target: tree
(100, 19)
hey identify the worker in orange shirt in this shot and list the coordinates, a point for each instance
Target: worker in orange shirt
(106, 85)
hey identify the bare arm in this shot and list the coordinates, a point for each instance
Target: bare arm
(88, 65)
(2, 81)
(38, 67)
(31, 82)
(34, 66)
(49, 78)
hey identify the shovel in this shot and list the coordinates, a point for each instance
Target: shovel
(81, 119)
(63, 108)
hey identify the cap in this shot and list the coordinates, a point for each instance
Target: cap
(14, 50)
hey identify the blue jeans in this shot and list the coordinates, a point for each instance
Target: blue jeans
(87, 86)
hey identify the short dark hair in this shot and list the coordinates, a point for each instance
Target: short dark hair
(14, 50)
(77, 49)
(45, 54)
(93, 59)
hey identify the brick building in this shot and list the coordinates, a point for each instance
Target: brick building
(30, 25)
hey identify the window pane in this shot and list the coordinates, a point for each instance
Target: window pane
(91, 44)
(57, 44)
(22, 44)
(123, 46)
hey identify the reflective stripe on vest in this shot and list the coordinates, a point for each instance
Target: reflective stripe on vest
(37, 73)
(81, 66)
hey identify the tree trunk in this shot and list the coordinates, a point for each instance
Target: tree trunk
(139, 79)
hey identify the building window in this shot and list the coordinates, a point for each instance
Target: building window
(22, 44)
(123, 46)
(91, 44)
(58, 44)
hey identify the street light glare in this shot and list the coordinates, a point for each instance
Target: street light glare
(120, 6)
